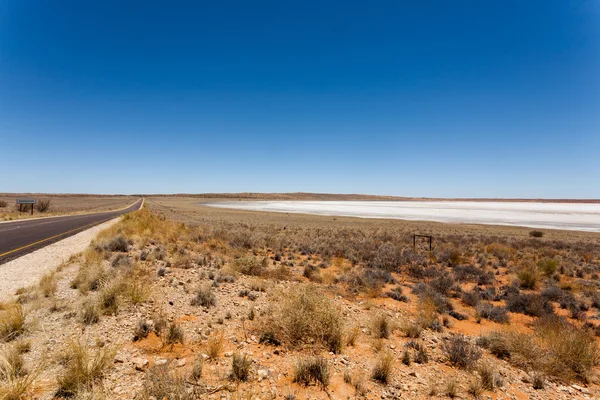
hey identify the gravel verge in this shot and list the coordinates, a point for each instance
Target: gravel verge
(28, 269)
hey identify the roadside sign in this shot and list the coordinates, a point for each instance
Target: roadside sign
(20, 202)
(26, 201)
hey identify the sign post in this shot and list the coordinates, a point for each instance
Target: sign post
(20, 202)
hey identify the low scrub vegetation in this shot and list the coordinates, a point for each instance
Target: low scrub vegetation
(461, 352)
(557, 348)
(304, 315)
(43, 205)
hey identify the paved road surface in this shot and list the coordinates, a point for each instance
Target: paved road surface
(21, 237)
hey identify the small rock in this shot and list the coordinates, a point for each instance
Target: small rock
(262, 374)
(181, 363)
(139, 363)
(160, 361)
(228, 354)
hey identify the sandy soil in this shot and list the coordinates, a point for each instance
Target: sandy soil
(27, 270)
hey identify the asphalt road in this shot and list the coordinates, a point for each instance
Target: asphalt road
(21, 237)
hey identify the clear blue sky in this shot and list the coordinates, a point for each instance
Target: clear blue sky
(428, 98)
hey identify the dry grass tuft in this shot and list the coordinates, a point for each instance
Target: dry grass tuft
(12, 321)
(204, 296)
(160, 384)
(173, 335)
(304, 315)
(214, 347)
(240, 367)
(47, 285)
(83, 368)
(382, 371)
(15, 382)
(108, 298)
(90, 314)
(381, 326)
(312, 369)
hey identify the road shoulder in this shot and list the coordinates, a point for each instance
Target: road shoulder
(27, 270)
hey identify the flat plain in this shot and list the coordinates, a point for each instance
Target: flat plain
(186, 301)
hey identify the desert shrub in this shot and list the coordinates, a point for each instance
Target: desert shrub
(12, 321)
(108, 299)
(47, 285)
(90, 314)
(412, 330)
(497, 344)
(204, 297)
(83, 368)
(442, 284)
(382, 370)
(388, 256)
(536, 234)
(556, 348)
(490, 379)
(475, 388)
(120, 260)
(421, 356)
(118, 243)
(137, 290)
(240, 367)
(528, 276)
(367, 279)
(89, 278)
(160, 384)
(451, 389)
(303, 315)
(214, 346)
(492, 313)
(553, 293)
(352, 335)
(43, 205)
(572, 351)
(381, 326)
(406, 360)
(451, 257)
(11, 363)
(174, 334)
(15, 382)
(396, 294)
(3, 204)
(428, 295)
(197, 368)
(466, 273)
(458, 316)
(461, 352)
(142, 329)
(529, 304)
(311, 369)
(548, 266)
(250, 266)
(471, 298)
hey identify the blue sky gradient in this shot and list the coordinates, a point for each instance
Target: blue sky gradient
(432, 98)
